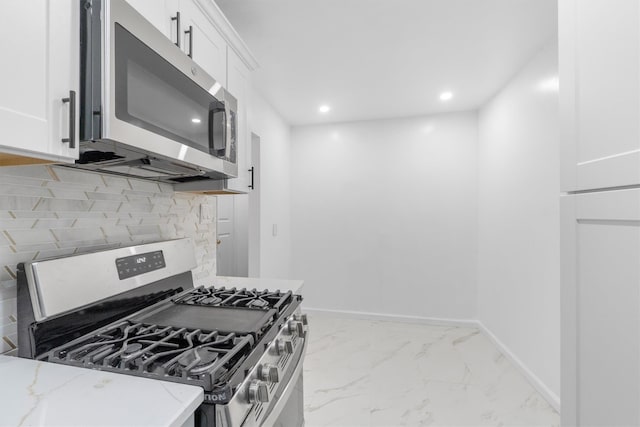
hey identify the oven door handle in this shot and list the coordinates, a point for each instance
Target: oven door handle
(284, 397)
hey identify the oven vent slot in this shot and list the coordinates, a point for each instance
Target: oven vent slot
(284, 360)
(258, 411)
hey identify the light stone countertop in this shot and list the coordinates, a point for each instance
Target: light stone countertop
(258, 283)
(36, 393)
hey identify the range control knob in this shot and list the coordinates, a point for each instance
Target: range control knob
(302, 318)
(268, 373)
(284, 346)
(258, 392)
(295, 327)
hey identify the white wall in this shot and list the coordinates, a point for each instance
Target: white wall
(275, 194)
(387, 205)
(518, 263)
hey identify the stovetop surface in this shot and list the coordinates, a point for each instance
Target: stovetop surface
(203, 336)
(225, 310)
(236, 298)
(222, 319)
(163, 351)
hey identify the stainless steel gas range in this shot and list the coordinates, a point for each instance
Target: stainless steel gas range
(135, 311)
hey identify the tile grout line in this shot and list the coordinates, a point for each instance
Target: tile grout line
(11, 273)
(9, 342)
(53, 173)
(6, 233)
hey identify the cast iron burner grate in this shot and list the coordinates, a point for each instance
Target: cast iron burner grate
(244, 298)
(188, 355)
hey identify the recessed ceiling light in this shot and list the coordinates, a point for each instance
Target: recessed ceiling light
(324, 109)
(196, 120)
(445, 96)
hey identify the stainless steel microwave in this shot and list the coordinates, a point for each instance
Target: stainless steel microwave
(146, 108)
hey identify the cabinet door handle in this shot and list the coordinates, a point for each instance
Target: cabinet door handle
(72, 118)
(190, 32)
(177, 19)
(252, 185)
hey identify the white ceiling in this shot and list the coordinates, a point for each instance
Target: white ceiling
(372, 59)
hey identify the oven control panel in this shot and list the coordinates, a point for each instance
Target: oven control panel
(135, 265)
(270, 378)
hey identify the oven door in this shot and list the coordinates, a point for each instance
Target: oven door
(156, 99)
(288, 409)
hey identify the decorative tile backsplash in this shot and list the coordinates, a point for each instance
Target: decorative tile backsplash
(47, 211)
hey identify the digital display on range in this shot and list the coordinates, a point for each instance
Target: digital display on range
(135, 265)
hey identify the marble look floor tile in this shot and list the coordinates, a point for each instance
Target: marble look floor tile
(379, 373)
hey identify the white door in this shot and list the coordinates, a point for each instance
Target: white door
(225, 254)
(232, 248)
(254, 211)
(601, 309)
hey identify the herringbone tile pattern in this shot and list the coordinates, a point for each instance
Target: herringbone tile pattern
(48, 211)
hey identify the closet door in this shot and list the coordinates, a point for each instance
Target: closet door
(601, 308)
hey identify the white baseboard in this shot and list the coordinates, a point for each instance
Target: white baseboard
(395, 318)
(540, 386)
(537, 383)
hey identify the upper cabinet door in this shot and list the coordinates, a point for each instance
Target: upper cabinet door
(163, 14)
(155, 12)
(600, 93)
(239, 85)
(202, 41)
(64, 76)
(41, 47)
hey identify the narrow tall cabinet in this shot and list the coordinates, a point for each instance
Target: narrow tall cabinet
(599, 46)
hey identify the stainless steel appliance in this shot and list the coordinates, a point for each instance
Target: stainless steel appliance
(135, 311)
(146, 108)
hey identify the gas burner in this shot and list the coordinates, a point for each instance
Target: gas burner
(164, 351)
(258, 303)
(198, 357)
(211, 300)
(132, 348)
(242, 298)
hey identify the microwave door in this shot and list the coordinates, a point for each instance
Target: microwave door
(218, 129)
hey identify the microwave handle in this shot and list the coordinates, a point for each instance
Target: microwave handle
(227, 131)
(218, 147)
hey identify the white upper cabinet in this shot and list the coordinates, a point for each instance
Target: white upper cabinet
(163, 14)
(186, 24)
(239, 85)
(203, 42)
(39, 90)
(600, 93)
